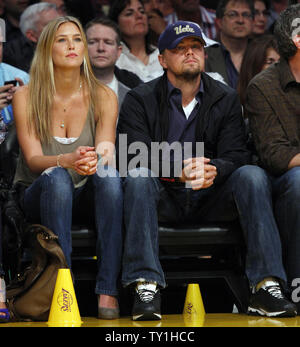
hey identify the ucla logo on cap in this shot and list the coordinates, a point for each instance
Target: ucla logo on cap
(187, 29)
(175, 32)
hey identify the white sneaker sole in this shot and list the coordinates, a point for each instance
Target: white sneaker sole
(147, 316)
(262, 312)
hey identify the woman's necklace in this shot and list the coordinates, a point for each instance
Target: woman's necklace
(62, 123)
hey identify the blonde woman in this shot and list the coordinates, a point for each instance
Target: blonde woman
(65, 122)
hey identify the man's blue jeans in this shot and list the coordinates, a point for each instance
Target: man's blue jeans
(52, 200)
(247, 194)
(286, 191)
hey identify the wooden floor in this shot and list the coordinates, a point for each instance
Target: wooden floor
(177, 320)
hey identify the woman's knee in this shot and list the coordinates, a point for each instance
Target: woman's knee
(107, 180)
(58, 180)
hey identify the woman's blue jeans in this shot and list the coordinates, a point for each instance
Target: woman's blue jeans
(53, 201)
(248, 194)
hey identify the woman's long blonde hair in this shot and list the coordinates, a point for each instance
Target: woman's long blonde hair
(42, 85)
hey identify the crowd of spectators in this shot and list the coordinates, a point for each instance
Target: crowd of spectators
(226, 46)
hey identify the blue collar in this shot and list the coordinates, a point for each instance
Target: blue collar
(173, 91)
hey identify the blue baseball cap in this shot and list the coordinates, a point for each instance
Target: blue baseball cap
(178, 31)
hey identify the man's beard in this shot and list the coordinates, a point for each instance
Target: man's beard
(189, 75)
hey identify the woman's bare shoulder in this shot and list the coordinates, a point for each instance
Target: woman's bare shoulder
(21, 92)
(104, 91)
(107, 102)
(106, 98)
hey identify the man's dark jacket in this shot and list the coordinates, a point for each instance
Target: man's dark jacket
(19, 53)
(215, 61)
(144, 117)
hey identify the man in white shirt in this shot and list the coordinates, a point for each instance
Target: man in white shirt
(104, 48)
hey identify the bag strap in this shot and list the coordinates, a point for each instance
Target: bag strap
(48, 241)
(45, 249)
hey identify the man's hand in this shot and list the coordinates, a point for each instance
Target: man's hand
(7, 91)
(198, 173)
(5, 95)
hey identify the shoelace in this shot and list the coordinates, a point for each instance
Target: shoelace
(146, 295)
(275, 291)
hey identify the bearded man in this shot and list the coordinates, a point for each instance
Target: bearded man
(180, 111)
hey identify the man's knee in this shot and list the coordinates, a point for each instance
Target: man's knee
(140, 180)
(251, 176)
(291, 182)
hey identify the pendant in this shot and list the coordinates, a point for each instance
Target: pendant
(62, 125)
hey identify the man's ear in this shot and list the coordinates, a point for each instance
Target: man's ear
(120, 49)
(161, 59)
(31, 35)
(218, 22)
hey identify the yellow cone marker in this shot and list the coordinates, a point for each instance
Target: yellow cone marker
(193, 312)
(64, 310)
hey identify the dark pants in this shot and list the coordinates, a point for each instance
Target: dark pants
(286, 198)
(247, 194)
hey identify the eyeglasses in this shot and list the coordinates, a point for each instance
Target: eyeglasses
(264, 13)
(234, 15)
(196, 48)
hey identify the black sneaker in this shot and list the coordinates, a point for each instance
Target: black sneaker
(269, 301)
(146, 304)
